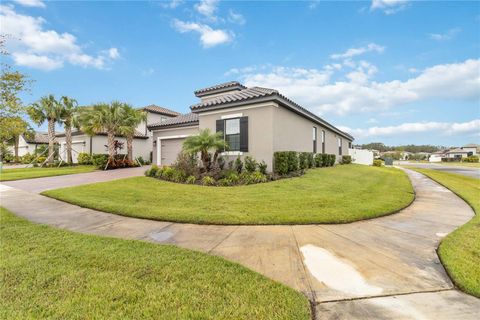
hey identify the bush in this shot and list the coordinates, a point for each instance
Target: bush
(470, 159)
(208, 181)
(262, 167)
(293, 163)
(84, 158)
(27, 158)
(152, 172)
(253, 177)
(303, 160)
(318, 160)
(41, 159)
(238, 165)
(166, 173)
(179, 176)
(224, 182)
(250, 164)
(233, 177)
(187, 163)
(191, 180)
(99, 160)
(331, 160)
(377, 163)
(311, 159)
(346, 159)
(280, 162)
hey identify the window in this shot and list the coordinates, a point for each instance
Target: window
(314, 139)
(349, 144)
(340, 146)
(232, 134)
(323, 141)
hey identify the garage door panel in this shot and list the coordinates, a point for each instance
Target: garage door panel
(170, 149)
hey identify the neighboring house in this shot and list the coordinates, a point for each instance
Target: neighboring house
(255, 121)
(457, 153)
(30, 144)
(437, 156)
(142, 143)
(472, 149)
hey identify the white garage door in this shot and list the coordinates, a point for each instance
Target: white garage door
(170, 150)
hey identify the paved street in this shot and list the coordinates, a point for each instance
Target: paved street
(466, 171)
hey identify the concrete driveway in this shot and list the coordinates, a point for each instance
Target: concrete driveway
(466, 171)
(384, 268)
(39, 185)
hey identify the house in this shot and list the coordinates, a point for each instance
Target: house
(457, 153)
(142, 143)
(29, 144)
(254, 121)
(472, 149)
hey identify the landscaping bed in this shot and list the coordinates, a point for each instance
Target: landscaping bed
(51, 273)
(337, 194)
(37, 172)
(460, 250)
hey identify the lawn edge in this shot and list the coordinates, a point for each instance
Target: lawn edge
(56, 175)
(455, 283)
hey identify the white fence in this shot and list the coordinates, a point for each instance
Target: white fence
(361, 156)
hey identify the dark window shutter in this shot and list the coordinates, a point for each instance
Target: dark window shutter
(221, 125)
(244, 134)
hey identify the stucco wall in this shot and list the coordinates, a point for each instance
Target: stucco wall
(185, 131)
(260, 129)
(361, 156)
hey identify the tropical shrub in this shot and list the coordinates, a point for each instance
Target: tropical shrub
(41, 159)
(208, 181)
(8, 157)
(99, 160)
(262, 167)
(27, 158)
(188, 163)
(191, 180)
(152, 172)
(346, 159)
(318, 160)
(252, 177)
(238, 165)
(84, 158)
(377, 163)
(470, 159)
(250, 164)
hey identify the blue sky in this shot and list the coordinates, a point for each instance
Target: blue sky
(393, 71)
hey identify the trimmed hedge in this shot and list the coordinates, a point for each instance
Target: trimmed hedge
(286, 162)
(346, 159)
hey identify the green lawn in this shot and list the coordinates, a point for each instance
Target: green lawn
(29, 173)
(460, 250)
(56, 274)
(327, 195)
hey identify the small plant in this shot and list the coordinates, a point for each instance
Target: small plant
(470, 159)
(208, 181)
(99, 160)
(346, 159)
(224, 182)
(250, 164)
(191, 180)
(84, 158)
(377, 163)
(238, 165)
(178, 176)
(233, 177)
(167, 173)
(152, 172)
(262, 167)
(253, 177)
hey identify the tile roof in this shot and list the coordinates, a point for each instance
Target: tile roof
(183, 120)
(161, 110)
(137, 134)
(457, 150)
(38, 138)
(471, 145)
(254, 93)
(219, 88)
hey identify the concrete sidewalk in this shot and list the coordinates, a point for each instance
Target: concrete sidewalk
(381, 268)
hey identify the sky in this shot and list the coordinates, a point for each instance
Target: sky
(391, 71)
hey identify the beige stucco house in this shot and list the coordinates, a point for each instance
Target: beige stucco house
(30, 144)
(142, 144)
(255, 121)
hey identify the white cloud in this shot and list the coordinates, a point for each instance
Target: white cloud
(209, 37)
(389, 6)
(172, 4)
(357, 93)
(207, 8)
(31, 3)
(443, 128)
(352, 52)
(113, 53)
(235, 17)
(313, 4)
(33, 46)
(444, 36)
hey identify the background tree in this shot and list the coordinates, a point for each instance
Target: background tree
(132, 118)
(11, 129)
(50, 110)
(68, 113)
(203, 144)
(103, 117)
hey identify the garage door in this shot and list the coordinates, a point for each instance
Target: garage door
(170, 149)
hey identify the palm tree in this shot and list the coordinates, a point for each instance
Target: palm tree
(47, 109)
(69, 109)
(103, 117)
(203, 143)
(132, 118)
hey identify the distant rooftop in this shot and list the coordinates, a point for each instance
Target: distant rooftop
(161, 110)
(183, 120)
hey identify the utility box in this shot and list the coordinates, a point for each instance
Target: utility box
(388, 161)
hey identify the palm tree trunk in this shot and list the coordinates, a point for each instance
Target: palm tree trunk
(51, 140)
(68, 138)
(130, 148)
(15, 147)
(111, 147)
